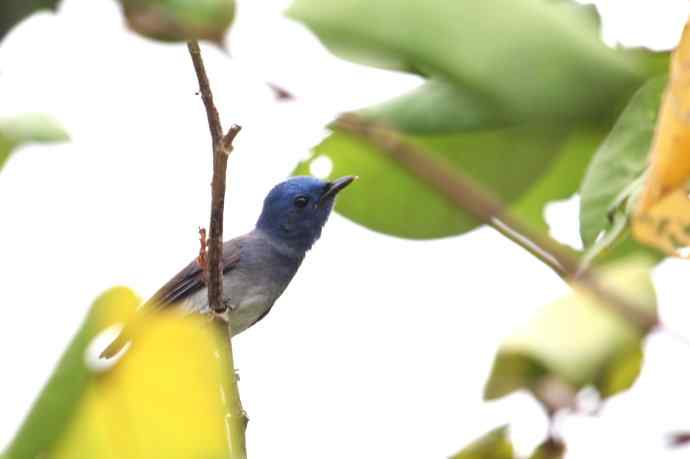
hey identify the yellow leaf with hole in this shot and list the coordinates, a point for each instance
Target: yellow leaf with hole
(169, 395)
(165, 399)
(662, 210)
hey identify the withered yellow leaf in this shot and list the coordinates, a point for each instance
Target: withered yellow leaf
(669, 166)
(666, 225)
(662, 214)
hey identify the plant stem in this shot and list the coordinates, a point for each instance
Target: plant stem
(222, 147)
(465, 193)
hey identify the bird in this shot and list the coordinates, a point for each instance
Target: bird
(259, 265)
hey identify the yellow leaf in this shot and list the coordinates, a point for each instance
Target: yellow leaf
(669, 167)
(171, 395)
(165, 399)
(662, 216)
(666, 225)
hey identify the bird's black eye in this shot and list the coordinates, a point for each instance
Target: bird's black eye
(301, 201)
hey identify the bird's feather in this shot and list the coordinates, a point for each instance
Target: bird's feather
(185, 283)
(191, 279)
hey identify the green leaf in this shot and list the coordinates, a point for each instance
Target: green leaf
(577, 341)
(493, 445)
(14, 11)
(28, 128)
(502, 127)
(613, 178)
(523, 54)
(549, 449)
(619, 162)
(562, 179)
(390, 200)
(180, 20)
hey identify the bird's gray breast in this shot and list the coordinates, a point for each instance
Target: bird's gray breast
(251, 288)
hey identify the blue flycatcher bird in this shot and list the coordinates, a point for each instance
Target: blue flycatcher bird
(258, 266)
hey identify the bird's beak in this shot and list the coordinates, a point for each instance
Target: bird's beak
(335, 187)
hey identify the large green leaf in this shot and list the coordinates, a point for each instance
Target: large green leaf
(391, 200)
(13, 11)
(180, 20)
(577, 341)
(519, 114)
(533, 58)
(562, 179)
(493, 445)
(28, 128)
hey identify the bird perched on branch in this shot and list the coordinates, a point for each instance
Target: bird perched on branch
(258, 266)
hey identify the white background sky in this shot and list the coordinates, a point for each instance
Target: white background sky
(380, 347)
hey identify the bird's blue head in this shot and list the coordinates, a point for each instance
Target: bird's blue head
(295, 210)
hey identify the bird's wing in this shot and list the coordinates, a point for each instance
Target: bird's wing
(179, 288)
(191, 279)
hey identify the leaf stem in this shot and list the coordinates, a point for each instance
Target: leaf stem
(465, 193)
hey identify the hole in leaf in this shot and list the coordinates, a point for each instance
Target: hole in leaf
(321, 167)
(92, 356)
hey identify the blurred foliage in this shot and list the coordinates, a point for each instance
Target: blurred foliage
(662, 215)
(577, 342)
(28, 128)
(496, 444)
(14, 11)
(613, 177)
(666, 225)
(180, 20)
(493, 445)
(164, 398)
(549, 449)
(488, 104)
(669, 165)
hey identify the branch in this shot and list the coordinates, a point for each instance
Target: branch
(465, 193)
(222, 147)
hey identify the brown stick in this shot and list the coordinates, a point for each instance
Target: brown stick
(222, 147)
(465, 193)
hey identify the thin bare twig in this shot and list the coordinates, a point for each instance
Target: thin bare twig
(222, 147)
(465, 193)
